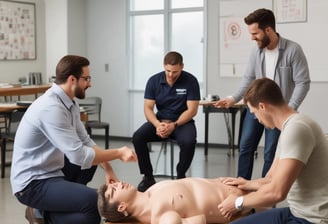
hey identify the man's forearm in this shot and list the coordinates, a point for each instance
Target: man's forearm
(188, 114)
(151, 117)
(185, 117)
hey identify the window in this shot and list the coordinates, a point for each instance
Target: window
(159, 26)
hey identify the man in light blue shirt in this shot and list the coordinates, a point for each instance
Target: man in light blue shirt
(54, 157)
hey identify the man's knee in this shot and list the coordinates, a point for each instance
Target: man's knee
(136, 136)
(187, 142)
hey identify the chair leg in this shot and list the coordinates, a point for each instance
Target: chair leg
(3, 157)
(162, 150)
(89, 131)
(107, 137)
(172, 160)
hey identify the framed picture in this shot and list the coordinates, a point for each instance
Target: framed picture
(17, 30)
(290, 11)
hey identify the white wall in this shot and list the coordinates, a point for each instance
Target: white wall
(76, 27)
(10, 71)
(224, 86)
(107, 44)
(65, 32)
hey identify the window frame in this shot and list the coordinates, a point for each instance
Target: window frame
(167, 13)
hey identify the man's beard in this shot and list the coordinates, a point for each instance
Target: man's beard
(79, 93)
(265, 42)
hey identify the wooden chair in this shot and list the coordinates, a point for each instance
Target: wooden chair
(92, 106)
(3, 123)
(13, 121)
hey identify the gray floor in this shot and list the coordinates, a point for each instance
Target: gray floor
(217, 164)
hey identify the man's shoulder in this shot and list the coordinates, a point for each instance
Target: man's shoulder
(157, 76)
(188, 75)
(288, 44)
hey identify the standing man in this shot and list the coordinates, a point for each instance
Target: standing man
(176, 95)
(298, 171)
(284, 62)
(54, 157)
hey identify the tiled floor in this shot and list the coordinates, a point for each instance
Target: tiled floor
(217, 164)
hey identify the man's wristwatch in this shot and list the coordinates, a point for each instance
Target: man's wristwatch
(175, 124)
(239, 203)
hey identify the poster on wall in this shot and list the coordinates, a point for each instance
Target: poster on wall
(290, 11)
(235, 46)
(17, 31)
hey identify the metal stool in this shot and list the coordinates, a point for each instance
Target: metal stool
(163, 151)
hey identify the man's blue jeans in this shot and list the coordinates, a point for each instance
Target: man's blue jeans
(251, 135)
(272, 216)
(64, 200)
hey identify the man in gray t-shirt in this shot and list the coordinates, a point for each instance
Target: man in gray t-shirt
(298, 171)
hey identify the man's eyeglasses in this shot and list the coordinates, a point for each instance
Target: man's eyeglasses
(86, 78)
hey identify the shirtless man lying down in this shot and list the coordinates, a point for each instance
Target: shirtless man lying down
(188, 200)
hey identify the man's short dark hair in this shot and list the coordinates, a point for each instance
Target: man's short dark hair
(109, 210)
(264, 17)
(70, 65)
(173, 58)
(264, 90)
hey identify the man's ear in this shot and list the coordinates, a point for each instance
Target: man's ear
(72, 78)
(261, 106)
(122, 207)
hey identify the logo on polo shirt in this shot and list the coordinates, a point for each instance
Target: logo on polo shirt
(181, 91)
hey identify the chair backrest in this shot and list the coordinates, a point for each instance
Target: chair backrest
(91, 105)
(3, 123)
(14, 118)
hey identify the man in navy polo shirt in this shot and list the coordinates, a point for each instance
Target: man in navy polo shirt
(176, 95)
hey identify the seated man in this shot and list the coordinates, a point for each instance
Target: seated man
(176, 95)
(188, 200)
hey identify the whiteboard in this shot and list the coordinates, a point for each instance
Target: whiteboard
(310, 34)
(235, 42)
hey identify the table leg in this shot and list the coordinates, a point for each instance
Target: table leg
(233, 122)
(206, 134)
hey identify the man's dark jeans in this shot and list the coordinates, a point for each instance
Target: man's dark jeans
(64, 200)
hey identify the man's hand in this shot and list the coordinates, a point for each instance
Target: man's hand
(127, 154)
(233, 181)
(165, 129)
(241, 183)
(226, 103)
(227, 207)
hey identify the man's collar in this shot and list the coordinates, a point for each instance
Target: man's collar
(66, 100)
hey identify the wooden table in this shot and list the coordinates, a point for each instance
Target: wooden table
(6, 108)
(24, 90)
(209, 108)
(9, 107)
(20, 91)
